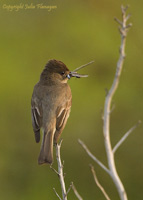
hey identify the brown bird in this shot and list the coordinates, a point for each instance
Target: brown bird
(50, 106)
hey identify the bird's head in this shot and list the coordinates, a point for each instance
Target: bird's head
(57, 71)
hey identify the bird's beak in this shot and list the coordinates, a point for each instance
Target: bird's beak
(75, 74)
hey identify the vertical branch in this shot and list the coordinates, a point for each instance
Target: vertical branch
(111, 170)
(107, 107)
(61, 176)
(60, 171)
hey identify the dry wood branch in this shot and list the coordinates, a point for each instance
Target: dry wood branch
(57, 194)
(107, 109)
(93, 157)
(61, 176)
(118, 21)
(54, 170)
(125, 136)
(76, 192)
(60, 170)
(128, 16)
(69, 188)
(111, 170)
(98, 184)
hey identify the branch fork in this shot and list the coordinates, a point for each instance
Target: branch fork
(123, 28)
(61, 176)
(111, 169)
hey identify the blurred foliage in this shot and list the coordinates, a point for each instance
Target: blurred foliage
(76, 33)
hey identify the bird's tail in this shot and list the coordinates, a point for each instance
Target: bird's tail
(46, 153)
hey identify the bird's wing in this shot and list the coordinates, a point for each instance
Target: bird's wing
(36, 111)
(62, 116)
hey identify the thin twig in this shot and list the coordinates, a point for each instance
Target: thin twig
(118, 21)
(129, 25)
(51, 167)
(125, 136)
(76, 192)
(107, 109)
(93, 157)
(69, 188)
(57, 194)
(128, 16)
(82, 66)
(98, 184)
(124, 9)
(60, 170)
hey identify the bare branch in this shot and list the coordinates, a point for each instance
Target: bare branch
(124, 9)
(129, 25)
(98, 184)
(107, 108)
(54, 169)
(118, 21)
(128, 17)
(107, 111)
(125, 136)
(57, 194)
(69, 188)
(82, 66)
(60, 170)
(93, 157)
(76, 192)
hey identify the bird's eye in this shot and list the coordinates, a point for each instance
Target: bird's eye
(63, 73)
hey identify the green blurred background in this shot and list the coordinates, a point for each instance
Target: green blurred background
(75, 33)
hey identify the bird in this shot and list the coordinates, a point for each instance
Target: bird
(50, 106)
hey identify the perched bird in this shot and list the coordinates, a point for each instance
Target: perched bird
(50, 106)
